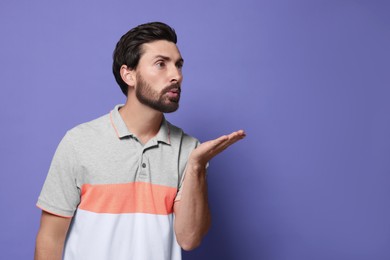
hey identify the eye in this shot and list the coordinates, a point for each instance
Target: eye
(179, 65)
(160, 64)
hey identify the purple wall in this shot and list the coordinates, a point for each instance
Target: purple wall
(308, 80)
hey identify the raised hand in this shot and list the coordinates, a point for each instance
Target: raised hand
(207, 150)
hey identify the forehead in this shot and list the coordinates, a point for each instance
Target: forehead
(165, 48)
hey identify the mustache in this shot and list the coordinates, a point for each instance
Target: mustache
(173, 87)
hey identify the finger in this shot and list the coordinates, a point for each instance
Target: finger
(223, 143)
(219, 140)
(237, 134)
(233, 135)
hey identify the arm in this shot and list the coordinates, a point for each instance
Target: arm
(51, 237)
(192, 215)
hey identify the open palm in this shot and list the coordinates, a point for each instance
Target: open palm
(207, 150)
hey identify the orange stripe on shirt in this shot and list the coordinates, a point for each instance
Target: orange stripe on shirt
(135, 197)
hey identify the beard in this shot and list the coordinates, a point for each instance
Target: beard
(162, 101)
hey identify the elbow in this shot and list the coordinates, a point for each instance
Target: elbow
(189, 243)
(191, 240)
(189, 247)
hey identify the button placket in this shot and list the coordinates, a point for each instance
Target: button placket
(143, 164)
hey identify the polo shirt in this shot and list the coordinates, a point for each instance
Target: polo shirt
(119, 192)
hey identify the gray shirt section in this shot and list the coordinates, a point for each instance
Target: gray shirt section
(103, 151)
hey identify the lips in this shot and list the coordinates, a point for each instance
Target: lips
(173, 93)
(175, 90)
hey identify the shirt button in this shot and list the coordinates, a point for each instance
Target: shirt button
(144, 165)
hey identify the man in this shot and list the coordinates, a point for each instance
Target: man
(130, 185)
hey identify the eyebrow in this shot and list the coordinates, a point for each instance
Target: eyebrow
(180, 60)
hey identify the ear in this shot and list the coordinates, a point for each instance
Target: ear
(128, 75)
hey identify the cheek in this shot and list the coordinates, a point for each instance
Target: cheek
(158, 83)
(153, 76)
(157, 79)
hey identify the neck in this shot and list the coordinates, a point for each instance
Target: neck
(141, 120)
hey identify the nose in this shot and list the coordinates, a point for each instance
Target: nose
(176, 74)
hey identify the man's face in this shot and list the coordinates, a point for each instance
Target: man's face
(159, 76)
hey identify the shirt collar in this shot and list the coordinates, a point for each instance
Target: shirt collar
(118, 124)
(164, 134)
(121, 130)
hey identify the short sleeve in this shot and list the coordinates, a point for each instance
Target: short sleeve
(60, 194)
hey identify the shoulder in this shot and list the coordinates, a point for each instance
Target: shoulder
(93, 129)
(177, 134)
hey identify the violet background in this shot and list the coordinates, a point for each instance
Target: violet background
(308, 80)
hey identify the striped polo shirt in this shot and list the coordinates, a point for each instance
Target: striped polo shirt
(119, 191)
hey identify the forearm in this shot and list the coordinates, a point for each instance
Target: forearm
(192, 215)
(48, 248)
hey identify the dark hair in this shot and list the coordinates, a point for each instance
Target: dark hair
(128, 50)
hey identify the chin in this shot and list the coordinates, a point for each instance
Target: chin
(171, 108)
